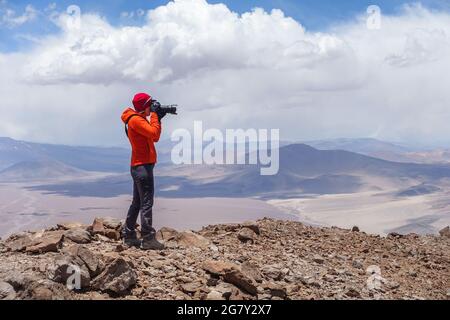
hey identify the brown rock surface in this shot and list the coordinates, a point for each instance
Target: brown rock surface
(288, 260)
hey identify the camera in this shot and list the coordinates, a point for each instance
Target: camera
(165, 109)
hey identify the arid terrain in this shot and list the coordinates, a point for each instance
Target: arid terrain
(265, 260)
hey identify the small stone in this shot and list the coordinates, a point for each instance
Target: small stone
(98, 227)
(357, 264)
(70, 225)
(42, 293)
(219, 267)
(112, 234)
(445, 232)
(355, 229)
(78, 235)
(166, 234)
(318, 259)
(189, 239)
(276, 290)
(191, 288)
(7, 291)
(246, 234)
(215, 295)
(120, 248)
(253, 226)
(241, 281)
(353, 293)
(111, 223)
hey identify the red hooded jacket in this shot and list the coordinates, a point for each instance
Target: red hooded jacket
(142, 135)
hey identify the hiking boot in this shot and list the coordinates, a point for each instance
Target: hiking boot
(132, 242)
(151, 244)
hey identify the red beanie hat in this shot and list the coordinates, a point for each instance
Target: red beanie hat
(141, 101)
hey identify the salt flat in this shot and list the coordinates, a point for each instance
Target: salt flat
(373, 212)
(23, 209)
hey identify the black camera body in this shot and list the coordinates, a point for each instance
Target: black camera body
(165, 109)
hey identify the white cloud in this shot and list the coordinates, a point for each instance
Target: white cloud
(11, 19)
(259, 69)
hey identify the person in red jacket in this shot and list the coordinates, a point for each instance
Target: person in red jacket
(143, 134)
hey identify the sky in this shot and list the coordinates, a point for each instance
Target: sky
(313, 69)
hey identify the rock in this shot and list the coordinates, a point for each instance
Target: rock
(272, 272)
(276, 290)
(121, 247)
(19, 241)
(78, 235)
(445, 232)
(7, 291)
(18, 280)
(215, 295)
(353, 293)
(42, 293)
(251, 269)
(166, 234)
(48, 242)
(66, 271)
(225, 289)
(357, 264)
(190, 239)
(241, 281)
(355, 229)
(394, 235)
(91, 261)
(191, 288)
(111, 223)
(253, 226)
(318, 259)
(98, 227)
(246, 234)
(112, 234)
(118, 277)
(219, 267)
(71, 225)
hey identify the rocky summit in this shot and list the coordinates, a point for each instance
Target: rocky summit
(264, 260)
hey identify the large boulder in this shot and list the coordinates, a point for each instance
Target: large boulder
(68, 271)
(118, 278)
(85, 256)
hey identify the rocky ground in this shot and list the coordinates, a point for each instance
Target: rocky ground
(263, 260)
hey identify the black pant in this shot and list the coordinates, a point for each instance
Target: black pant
(143, 194)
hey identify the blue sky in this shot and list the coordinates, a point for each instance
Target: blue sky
(315, 15)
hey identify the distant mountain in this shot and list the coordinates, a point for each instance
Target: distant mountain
(385, 150)
(85, 158)
(38, 170)
(359, 145)
(303, 170)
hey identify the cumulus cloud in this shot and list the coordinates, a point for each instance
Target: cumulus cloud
(258, 69)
